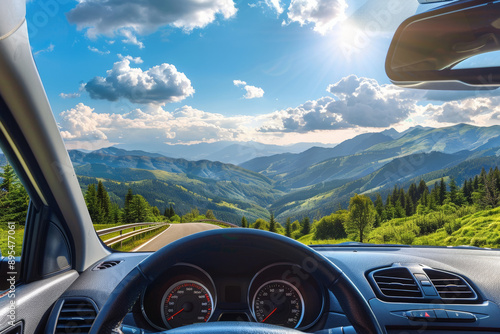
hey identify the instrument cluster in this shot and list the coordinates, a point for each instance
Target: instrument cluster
(282, 294)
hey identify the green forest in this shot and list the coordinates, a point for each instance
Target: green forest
(433, 213)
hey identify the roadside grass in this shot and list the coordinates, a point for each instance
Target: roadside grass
(16, 244)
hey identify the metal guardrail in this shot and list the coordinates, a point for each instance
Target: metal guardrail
(123, 237)
(123, 227)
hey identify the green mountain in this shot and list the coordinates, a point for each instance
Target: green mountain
(230, 191)
(314, 182)
(293, 172)
(322, 199)
(283, 164)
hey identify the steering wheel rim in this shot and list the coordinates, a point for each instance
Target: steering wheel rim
(126, 293)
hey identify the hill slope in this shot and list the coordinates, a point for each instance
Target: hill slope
(285, 163)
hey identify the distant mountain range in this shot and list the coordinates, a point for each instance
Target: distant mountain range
(314, 181)
(228, 151)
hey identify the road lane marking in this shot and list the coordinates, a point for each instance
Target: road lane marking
(147, 242)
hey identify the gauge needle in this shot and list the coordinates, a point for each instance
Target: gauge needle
(268, 314)
(173, 315)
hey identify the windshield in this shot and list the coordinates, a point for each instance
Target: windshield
(181, 116)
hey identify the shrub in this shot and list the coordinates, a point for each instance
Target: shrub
(330, 227)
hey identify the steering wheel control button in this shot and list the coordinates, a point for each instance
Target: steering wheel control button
(461, 316)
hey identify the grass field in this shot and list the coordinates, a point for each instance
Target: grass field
(480, 229)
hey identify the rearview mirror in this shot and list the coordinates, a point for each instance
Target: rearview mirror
(427, 48)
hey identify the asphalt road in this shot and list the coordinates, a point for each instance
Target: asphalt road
(174, 232)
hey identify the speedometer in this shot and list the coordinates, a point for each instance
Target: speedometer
(278, 303)
(185, 303)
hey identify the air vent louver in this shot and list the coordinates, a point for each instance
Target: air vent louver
(450, 286)
(106, 265)
(397, 283)
(76, 316)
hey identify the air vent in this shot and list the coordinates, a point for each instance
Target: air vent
(450, 287)
(76, 316)
(396, 283)
(107, 264)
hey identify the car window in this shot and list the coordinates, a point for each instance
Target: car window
(14, 201)
(273, 115)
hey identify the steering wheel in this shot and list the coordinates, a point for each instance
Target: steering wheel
(126, 293)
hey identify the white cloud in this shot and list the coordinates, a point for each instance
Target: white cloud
(50, 48)
(130, 38)
(252, 92)
(82, 123)
(473, 110)
(153, 127)
(358, 102)
(96, 50)
(69, 95)
(158, 85)
(274, 5)
(130, 17)
(357, 105)
(239, 83)
(136, 60)
(323, 14)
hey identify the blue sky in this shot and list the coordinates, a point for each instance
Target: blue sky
(188, 71)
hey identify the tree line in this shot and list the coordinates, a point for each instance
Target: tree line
(430, 206)
(136, 209)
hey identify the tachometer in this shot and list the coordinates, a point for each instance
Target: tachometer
(279, 303)
(186, 302)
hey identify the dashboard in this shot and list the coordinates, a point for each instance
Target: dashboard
(259, 284)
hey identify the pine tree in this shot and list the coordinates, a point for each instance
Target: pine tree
(115, 213)
(413, 193)
(210, 214)
(379, 207)
(104, 204)
(155, 211)
(453, 192)
(306, 226)
(140, 209)
(14, 199)
(422, 187)
(92, 203)
(442, 191)
(244, 222)
(409, 208)
(127, 211)
(169, 212)
(8, 178)
(288, 228)
(272, 223)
